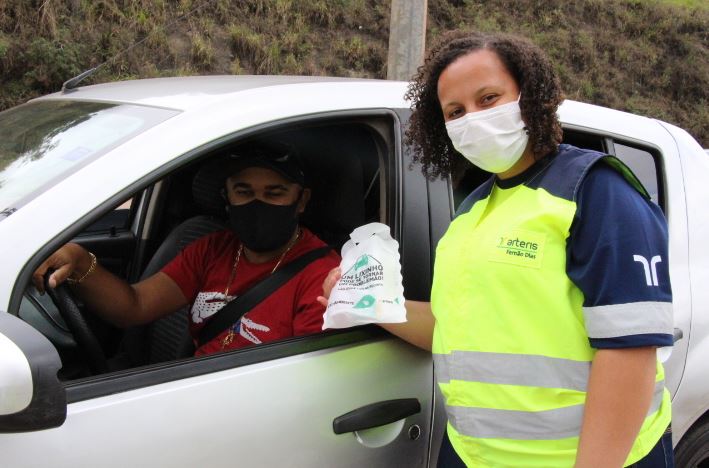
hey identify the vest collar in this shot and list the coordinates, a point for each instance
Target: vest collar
(528, 174)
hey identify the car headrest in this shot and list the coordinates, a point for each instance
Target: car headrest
(207, 185)
(336, 206)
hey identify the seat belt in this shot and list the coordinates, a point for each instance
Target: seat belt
(234, 310)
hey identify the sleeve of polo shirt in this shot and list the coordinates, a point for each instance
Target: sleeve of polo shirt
(187, 268)
(617, 255)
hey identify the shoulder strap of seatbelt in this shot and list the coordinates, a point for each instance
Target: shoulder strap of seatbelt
(234, 310)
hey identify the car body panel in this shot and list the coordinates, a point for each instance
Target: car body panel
(220, 419)
(692, 399)
(189, 92)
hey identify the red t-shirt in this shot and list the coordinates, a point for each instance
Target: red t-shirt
(203, 268)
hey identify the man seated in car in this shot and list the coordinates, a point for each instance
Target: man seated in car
(265, 195)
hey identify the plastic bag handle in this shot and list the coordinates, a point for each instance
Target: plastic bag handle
(364, 232)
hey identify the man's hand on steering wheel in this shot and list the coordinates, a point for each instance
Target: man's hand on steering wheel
(70, 261)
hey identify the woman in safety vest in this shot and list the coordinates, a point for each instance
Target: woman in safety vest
(551, 289)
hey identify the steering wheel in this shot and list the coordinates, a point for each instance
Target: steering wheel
(64, 299)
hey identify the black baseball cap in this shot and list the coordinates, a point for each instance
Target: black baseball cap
(278, 157)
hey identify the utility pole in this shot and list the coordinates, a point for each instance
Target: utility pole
(407, 38)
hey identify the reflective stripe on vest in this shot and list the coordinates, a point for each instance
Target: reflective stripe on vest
(559, 423)
(512, 369)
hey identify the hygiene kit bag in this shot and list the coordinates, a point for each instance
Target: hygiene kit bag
(370, 289)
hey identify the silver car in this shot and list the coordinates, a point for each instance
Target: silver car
(113, 167)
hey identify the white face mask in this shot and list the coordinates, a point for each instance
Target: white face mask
(492, 139)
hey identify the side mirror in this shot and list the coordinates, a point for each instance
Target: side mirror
(31, 395)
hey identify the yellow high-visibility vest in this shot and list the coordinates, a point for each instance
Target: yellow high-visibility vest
(511, 350)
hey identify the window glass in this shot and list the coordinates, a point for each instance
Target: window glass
(642, 164)
(118, 218)
(43, 142)
(343, 163)
(584, 140)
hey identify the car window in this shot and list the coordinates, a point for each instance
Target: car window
(119, 218)
(43, 142)
(346, 165)
(643, 165)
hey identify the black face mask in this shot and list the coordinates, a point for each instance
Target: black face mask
(261, 226)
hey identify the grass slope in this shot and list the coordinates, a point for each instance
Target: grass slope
(646, 57)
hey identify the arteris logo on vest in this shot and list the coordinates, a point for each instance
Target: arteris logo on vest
(519, 247)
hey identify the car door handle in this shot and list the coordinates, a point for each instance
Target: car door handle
(376, 414)
(677, 335)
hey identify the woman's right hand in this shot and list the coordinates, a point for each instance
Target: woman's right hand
(68, 259)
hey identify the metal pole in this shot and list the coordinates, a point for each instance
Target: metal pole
(407, 38)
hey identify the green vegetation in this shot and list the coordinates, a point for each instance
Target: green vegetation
(645, 56)
(688, 3)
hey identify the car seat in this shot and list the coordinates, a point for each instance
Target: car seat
(168, 338)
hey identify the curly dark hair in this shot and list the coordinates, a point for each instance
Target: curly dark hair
(540, 97)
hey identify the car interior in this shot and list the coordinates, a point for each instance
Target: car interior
(345, 163)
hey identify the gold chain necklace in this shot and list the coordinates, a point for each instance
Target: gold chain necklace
(230, 335)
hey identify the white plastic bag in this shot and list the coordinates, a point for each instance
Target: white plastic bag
(370, 290)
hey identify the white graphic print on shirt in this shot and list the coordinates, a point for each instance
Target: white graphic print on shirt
(245, 329)
(207, 304)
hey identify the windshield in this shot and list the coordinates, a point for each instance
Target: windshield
(43, 142)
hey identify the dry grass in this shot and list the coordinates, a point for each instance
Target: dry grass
(649, 57)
